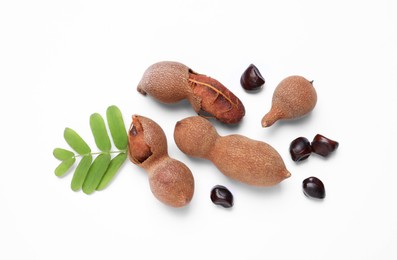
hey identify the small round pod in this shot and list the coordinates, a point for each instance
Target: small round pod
(170, 180)
(238, 157)
(293, 98)
(171, 82)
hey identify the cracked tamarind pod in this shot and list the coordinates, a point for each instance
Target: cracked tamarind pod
(170, 180)
(171, 82)
(236, 156)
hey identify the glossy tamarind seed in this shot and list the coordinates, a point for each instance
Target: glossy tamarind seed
(300, 149)
(323, 146)
(220, 195)
(252, 78)
(313, 188)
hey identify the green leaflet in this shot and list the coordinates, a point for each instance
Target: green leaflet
(117, 127)
(114, 166)
(62, 154)
(81, 172)
(95, 173)
(100, 133)
(64, 166)
(76, 142)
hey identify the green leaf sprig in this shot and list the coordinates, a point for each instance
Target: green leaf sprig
(91, 173)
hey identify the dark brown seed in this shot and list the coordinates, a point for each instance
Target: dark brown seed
(300, 149)
(252, 78)
(220, 195)
(323, 146)
(313, 188)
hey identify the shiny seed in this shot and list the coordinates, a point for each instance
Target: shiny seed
(300, 149)
(313, 188)
(323, 146)
(252, 78)
(220, 195)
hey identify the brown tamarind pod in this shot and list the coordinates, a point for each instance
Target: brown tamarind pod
(171, 181)
(170, 82)
(293, 98)
(236, 156)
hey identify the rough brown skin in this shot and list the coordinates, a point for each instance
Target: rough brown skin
(170, 180)
(293, 98)
(170, 82)
(249, 161)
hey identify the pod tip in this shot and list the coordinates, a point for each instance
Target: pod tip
(266, 121)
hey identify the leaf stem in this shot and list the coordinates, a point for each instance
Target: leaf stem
(98, 153)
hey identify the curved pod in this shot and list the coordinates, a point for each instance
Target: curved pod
(238, 157)
(171, 82)
(170, 180)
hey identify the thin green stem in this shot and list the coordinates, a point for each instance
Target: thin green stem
(97, 153)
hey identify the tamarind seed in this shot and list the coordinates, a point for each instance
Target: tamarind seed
(220, 195)
(300, 149)
(252, 79)
(313, 188)
(323, 146)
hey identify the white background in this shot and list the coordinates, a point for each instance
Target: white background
(60, 61)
